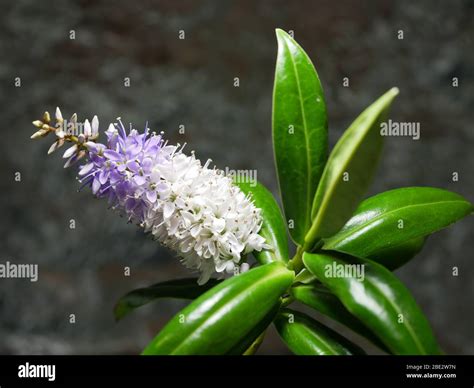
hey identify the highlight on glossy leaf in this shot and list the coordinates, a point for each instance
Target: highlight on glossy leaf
(220, 319)
(299, 133)
(349, 170)
(378, 299)
(400, 216)
(325, 302)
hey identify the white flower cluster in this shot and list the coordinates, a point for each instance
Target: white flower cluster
(202, 215)
(195, 210)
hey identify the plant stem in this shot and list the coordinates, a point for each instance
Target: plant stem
(296, 263)
(287, 300)
(255, 345)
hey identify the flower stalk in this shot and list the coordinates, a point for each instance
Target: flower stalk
(187, 206)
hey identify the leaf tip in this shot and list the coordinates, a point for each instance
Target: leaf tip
(387, 98)
(119, 312)
(281, 34)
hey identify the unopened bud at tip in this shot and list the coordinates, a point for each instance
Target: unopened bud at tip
(40, 133)
(46, 117)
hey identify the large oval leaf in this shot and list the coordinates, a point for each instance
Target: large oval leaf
(299, 133)
(322, 300)
(180, 288)
(220, 319)
(305, 336)
(393, 257)
(273, 227)
(378, 299)
(395, 217)
(349, 170)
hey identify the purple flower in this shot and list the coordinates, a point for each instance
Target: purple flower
(121, 170)
(191, 208)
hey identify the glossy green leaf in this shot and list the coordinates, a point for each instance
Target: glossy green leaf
(396, 217)
(273, 227)
(349, 170)
(322, 300)
(299, 132)
(180, 288)
(217, 321)
(253, 339)
(393, 257)
(305, 336)
(378, 299)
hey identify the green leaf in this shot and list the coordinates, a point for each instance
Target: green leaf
(273, 227)
(180, 288)
(252, 349)
(395, 217)
(349, 170)
(220, 319)
(254, 338)
(305, 336)
(299, 132)
(378, 299)
(393, 257)
(305, 277)
(322, 300)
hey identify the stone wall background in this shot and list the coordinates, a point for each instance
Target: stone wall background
(190, 82)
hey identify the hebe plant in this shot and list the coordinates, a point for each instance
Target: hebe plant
(346, 247)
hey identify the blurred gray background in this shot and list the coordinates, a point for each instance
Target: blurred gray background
(190, 82)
